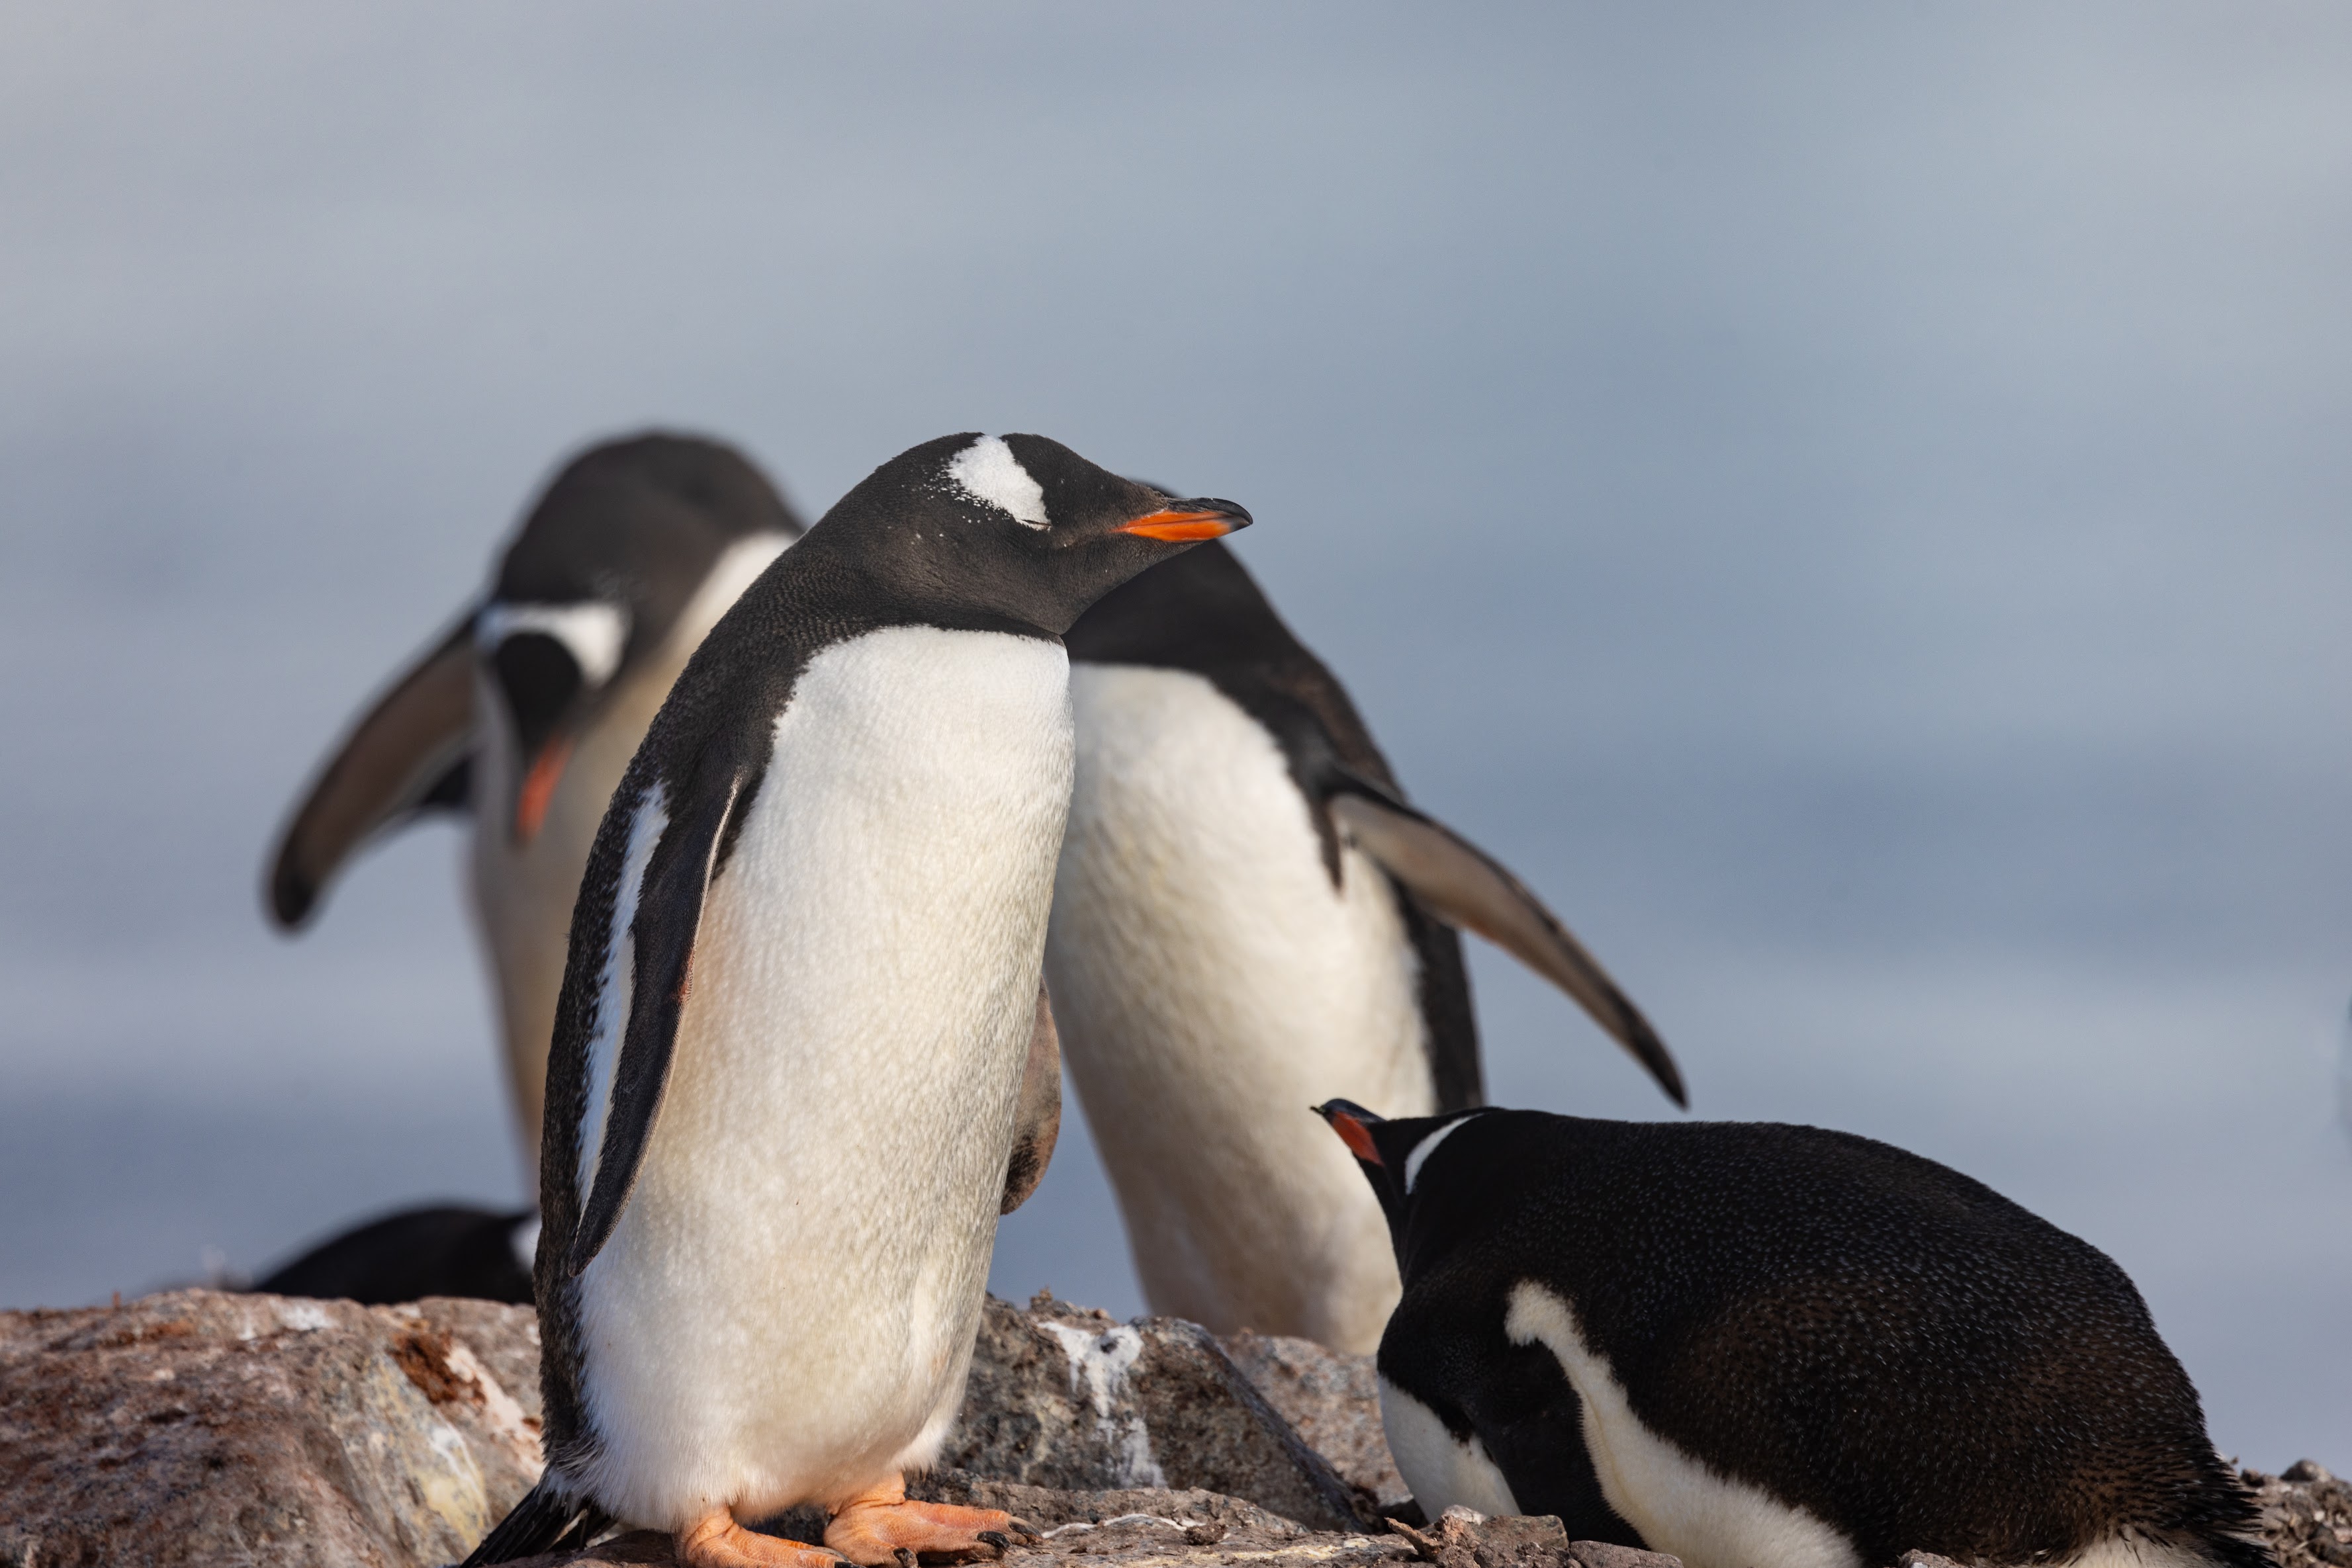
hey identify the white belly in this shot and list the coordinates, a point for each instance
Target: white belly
(785, 1312)
(1674, 1499)
(1211, 986)
(1443, 1471)
(523, 893)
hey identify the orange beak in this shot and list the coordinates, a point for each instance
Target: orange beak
(1358, 1137)
(1195, 521)
(538, 790)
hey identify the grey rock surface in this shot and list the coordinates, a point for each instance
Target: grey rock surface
(1465, 1538)
(2306, 1515)
(1074, 1400)
(1331, 1399)
(196, 1428)
(1132, 1527)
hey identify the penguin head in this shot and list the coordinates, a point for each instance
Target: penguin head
(597, 579)
(1014, 525)
(1391, 1156)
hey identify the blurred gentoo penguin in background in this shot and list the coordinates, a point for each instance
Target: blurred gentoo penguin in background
(787, 1098)
(1249, 918)
(527, 711)
(1763, 1346)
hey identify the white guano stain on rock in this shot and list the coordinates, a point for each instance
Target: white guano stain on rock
(1100, 1363)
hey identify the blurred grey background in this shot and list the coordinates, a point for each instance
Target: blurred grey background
(1851, 501)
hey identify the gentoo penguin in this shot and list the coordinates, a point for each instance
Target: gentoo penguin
(786, 1100)
(1248, 918)
(527, 709)
(1755, 1345)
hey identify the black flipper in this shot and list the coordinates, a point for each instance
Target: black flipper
(670, 913)
(1462, 884)
(397, 761)
(543, 1520)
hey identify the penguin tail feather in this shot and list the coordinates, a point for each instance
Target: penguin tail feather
(547, 1519)
(2229, 1550)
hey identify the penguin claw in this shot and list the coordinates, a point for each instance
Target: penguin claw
(998, 1539)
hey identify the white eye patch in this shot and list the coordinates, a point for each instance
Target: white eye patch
(591, 633)
(988, 472)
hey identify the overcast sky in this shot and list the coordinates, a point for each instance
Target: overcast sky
(1850, 501)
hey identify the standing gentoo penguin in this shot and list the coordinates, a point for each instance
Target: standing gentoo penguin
(801, 1059)
(1755, 1345)
(530, 707)
(1248, 918)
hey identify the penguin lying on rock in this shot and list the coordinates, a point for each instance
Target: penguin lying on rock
(527, 709)
(1248, 916)
(1763, 1346)
(802, 1057)
(444, 1249)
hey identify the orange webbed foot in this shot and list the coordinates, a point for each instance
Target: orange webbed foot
(881, 1526)
(718, 1542)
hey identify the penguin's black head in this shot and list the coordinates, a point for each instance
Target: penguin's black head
(1391, 1155)
(598, 577)
(1013, 526)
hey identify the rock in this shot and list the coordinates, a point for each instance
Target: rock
(2306, 1515)
(1917, 1559)
(1330, 1399)
(1129, 1527)
(1465, 1538)
(197, 1428)
(228, 1429)
(1071, 1400)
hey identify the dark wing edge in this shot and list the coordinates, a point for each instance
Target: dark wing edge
(668, 916)
(1037, 1121)
(1465, 886)
(396, 760)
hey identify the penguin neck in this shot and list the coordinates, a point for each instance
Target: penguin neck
(833, 580)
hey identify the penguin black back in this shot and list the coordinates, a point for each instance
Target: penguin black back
(1842, 1349)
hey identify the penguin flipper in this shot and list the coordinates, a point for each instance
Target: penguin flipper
(395, 760)
(1037, 1124)
(1465, 886)
(669, 915)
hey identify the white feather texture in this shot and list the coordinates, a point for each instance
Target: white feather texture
(785, 1312)
(1210, 985)
(1678, 1504)
(988, 472)
(523, 891)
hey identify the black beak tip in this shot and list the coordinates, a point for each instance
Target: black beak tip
(1231, 510)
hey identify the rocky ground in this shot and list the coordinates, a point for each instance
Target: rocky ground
(197, 1428)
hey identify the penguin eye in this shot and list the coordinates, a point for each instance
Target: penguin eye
(592, 633)
(541, 678)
